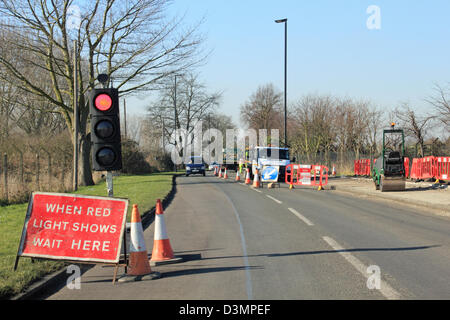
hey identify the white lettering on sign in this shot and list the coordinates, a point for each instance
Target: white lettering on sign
(46, 243)
(90, 245)
(67, 209)
(86, 227)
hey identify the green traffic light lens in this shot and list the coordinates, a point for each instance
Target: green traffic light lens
(106, 156)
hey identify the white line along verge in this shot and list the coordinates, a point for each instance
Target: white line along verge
(301, 217)
(276, 200)
(385, 289)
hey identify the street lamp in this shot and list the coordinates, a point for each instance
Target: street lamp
(285, 77)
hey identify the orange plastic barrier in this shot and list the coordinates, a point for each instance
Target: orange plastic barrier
(362, 167)
(443, 168)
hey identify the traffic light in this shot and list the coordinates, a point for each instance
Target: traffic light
(105, 129)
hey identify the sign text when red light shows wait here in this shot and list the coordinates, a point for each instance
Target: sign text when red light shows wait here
(72, 227)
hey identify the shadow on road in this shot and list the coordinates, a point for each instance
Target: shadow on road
(300, 253)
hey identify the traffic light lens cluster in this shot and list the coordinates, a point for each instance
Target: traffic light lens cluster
(103, 102)
(104, 129)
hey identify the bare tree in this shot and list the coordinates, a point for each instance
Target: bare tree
(415, 125)
(131, 41)
(263, 110)
(181, 107)
(441, 104)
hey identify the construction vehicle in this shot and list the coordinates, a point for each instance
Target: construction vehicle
(260, 157)
(388, 171)
(230, 159)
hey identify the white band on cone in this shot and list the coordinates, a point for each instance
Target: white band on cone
(160, 228)
(137, 238)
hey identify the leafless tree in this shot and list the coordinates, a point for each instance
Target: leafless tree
(181, 107)
(263, 109)
(132, 41)
(441, 104)
(414, 125)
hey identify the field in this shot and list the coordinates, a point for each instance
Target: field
(142, 190)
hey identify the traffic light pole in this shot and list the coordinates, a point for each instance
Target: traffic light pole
(109, 183)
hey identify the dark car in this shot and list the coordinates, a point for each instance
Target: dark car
(196, 165)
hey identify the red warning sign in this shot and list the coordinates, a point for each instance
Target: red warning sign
(73, 227)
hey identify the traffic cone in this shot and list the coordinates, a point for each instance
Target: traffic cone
(238, 177)
(220, 173)
(215, 171)
(138, 264)
(225, 175)
(333, 171)
(162, 250)
(256, 180)
(247, 177)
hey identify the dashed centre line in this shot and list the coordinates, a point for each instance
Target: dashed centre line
(301, 217)
(385, 289)
(276, 200)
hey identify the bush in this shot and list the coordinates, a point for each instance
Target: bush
(133, 160)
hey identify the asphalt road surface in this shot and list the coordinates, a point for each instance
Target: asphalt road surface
(242, 243)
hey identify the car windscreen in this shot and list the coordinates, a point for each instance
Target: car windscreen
(196, 160)
(272, 154)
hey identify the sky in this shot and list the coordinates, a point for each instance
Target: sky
(331, 49)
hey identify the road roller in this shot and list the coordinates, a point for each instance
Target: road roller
(388, 171)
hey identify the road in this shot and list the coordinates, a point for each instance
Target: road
(242, 243)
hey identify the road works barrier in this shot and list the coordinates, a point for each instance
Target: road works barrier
(443, 168)
(362, 167)
(430, 168)
(306, 175)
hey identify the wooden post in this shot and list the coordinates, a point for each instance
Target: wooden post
(37, 171)
(21, 167)
(5, 176)
(49, 165)
(75, 116)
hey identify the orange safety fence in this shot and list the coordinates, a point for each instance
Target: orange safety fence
(309, 175)
(362, 167)
(430, 168)
(443, 168)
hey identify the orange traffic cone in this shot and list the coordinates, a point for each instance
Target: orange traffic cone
(333, 172)
(138, 265)
(247, 177)
(256, 179)
(225, 175)
(162, 250)
(216, 173)
(220, 173)
(238, 177)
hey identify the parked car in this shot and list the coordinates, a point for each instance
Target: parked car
(196, 165)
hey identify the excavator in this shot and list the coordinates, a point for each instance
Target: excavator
(388, 171)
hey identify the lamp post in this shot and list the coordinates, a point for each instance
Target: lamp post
(285, 77)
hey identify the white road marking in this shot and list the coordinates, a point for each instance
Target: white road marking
(385, 289)
(276, 200)
(301, 217)
(244, 250)
(255, 189)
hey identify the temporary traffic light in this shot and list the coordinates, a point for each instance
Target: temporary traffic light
(105, 129)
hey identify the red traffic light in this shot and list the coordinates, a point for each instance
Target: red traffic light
(103, 102)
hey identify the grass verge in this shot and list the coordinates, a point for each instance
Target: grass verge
(142, 190)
